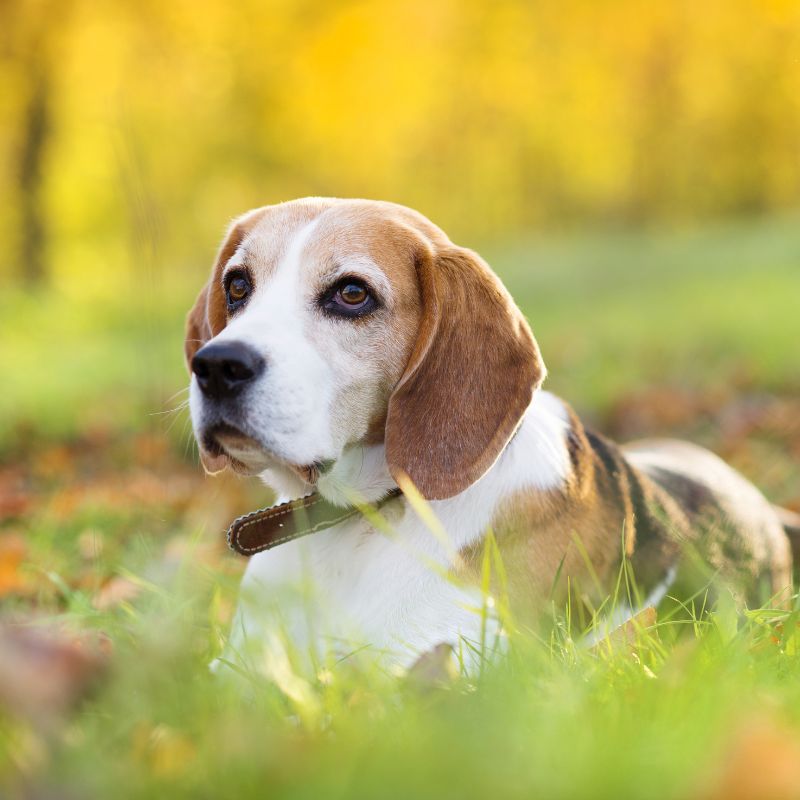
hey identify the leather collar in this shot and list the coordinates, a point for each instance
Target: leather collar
(269, 527)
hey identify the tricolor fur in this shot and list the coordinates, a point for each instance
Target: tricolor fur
(439, 384)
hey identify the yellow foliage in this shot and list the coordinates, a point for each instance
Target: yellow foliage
(166, 119)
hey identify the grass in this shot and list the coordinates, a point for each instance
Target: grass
(554, 721)
(106, 526)
(699, 309)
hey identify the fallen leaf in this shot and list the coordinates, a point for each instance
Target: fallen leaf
(44, 671)
(115, 592)
(762, 762)
(54, 462)
(15, 499)
(13, 550)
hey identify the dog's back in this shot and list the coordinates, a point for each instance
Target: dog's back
(733, 526)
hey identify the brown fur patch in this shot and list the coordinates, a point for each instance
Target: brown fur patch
(576, 538)
(469, 380)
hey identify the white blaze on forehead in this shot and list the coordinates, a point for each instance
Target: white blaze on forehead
(289, 407)
(276, 304)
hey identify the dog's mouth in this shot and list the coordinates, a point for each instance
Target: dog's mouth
(225, 445)
(219, 445)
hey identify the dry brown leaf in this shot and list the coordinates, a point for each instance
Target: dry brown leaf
(15, 499)
(150, 449)
(54, 462)
(13, 550)
(44, 671)
(116, 591)
(761, 763)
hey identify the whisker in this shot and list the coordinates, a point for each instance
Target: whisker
(173, 396)
(189, 439)
(179, 407)
(175, 418)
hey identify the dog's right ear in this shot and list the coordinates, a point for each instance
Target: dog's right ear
(198, 330)
(469, 380)
(208, 315)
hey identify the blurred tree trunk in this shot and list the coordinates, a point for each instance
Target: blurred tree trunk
(29, 34)
(32, 259)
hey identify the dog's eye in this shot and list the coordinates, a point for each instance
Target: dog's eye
(354, 294)
(349, 298)
(237, 288)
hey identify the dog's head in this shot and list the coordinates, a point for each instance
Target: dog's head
(328, 324)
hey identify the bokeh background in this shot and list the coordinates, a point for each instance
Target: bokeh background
(630, 169)
(542, 133)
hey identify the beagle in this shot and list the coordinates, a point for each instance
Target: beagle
(349, 353)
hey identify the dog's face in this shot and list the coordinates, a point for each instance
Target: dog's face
(329, 323)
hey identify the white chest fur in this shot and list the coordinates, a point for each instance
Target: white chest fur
(352, 586)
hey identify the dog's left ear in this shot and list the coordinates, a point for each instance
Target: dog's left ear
(207, 316)
(470, 378)
(198, 329)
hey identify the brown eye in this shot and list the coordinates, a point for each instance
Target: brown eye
(236, 290)
(353, 294)
(349, 298)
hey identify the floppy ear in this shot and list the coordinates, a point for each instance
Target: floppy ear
(208, 314)
(198, 330)
(207, 317)
(469, 380)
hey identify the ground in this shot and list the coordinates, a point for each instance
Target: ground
(116, 587)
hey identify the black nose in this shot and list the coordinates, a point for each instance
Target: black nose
(223, 369)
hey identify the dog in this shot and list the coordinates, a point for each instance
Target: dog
(383, 382)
